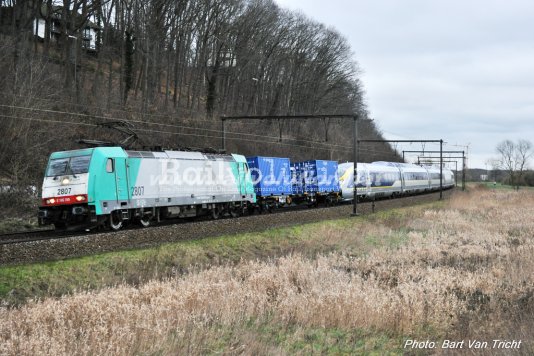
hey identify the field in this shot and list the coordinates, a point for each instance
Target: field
(496, 185)
(456, 270)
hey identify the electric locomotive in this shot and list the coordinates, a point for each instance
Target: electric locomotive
(110, 186)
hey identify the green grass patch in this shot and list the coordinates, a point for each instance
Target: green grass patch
(39, 280)
(329, 341)
(501, 186)
(271, 337)
(9, 225)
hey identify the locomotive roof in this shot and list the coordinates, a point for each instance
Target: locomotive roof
(179, 155)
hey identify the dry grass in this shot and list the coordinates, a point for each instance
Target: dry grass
(466, 271)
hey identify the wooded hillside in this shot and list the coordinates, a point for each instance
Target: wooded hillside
(172, 68)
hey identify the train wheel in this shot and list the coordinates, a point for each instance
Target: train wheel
(115, 220)
(235, 211)
(144, 221)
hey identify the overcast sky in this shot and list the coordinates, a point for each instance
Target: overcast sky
(458, 70)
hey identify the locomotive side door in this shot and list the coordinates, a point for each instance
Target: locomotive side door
(121, 180)
(241, 169)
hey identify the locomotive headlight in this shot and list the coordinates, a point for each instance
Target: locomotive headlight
(51, 201)
(80, 197)
(65, 181)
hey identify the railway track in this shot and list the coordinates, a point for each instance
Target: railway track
(43, 235)
(50, 245)
(40, 235)
(26, 236)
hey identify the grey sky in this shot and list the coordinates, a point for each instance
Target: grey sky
(458, 70)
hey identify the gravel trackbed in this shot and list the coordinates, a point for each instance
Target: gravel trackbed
(82, 245)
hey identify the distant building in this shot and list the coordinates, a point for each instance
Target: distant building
(88, 32)
(84, 30)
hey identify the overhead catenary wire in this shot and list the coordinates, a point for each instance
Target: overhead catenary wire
(158, 131)
(141, 122)
(194, 135)
(145, 114)
(50, 111)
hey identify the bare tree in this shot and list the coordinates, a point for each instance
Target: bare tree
(514, 158)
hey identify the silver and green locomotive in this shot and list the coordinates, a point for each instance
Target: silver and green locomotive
(110, 187)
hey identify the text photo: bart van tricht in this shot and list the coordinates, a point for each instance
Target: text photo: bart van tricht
(463, 344)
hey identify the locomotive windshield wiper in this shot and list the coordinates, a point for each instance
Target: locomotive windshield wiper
(70, 169)
(56, 176)
(66, 170)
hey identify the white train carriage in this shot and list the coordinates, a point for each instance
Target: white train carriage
(434, 175)
(374, 180)
(415, 179)
(391, 179)
(383, 181)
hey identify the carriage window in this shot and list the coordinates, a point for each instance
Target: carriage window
(109, 165)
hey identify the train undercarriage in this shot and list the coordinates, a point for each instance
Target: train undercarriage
(80, 217)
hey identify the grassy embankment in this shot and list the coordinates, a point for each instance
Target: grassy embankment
(135, 267)
(490, 185)
(455, 271)
(10, 225)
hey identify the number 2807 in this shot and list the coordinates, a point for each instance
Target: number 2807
(63, 191)
(137, 191)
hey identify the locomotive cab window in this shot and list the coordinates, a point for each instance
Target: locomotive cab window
(109, 165)
(68, 165)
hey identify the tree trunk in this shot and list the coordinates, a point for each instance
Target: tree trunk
(48, 25)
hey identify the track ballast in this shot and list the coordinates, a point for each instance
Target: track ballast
(58, 246)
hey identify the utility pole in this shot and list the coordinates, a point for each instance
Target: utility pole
(355, 172)
(440, 169)
(464, 169)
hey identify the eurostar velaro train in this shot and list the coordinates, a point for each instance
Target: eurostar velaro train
(109, 187)
(391, 179)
